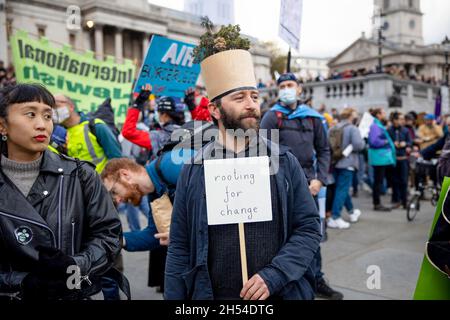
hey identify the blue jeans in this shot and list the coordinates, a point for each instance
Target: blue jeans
(132, 213)
(144, 206)
(344, 179)
(110, 289)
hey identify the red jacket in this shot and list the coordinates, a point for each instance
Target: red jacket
(132, 133)
(201, 112)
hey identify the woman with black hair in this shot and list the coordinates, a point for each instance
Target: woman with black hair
(59, 229)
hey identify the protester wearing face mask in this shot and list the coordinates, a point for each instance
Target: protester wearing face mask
(87, 139)
(170, 116)
(301, 129)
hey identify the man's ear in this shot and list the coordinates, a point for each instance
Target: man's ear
(72, 108)
(214, 111)
(125, 174)
(299, 90)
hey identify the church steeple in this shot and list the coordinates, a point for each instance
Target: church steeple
(402, 21)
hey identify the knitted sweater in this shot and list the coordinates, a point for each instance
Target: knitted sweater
(22, 174)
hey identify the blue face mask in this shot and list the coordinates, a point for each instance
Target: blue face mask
(288, 96)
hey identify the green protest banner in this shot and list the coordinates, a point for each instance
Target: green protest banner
(87, 81)
(434, 284)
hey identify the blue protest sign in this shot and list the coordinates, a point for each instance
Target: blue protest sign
(169, 67)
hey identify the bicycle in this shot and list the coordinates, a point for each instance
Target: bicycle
(424, 169)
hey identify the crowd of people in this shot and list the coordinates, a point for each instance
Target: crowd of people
(384, 160)
(394, 71)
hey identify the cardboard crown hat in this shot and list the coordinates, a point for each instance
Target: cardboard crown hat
(228, 71)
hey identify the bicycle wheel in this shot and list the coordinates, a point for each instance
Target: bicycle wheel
(413, 208)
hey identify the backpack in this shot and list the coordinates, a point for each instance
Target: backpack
(192, 135)
(281, 117)
(336, 139)
(143, 156)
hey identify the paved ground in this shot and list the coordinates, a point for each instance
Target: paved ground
(385, 240)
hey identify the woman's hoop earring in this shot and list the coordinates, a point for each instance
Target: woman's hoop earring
(4, 138)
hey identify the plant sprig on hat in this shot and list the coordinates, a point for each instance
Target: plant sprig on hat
(227, 38)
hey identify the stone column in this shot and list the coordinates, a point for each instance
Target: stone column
(410, 91)
(3, 31)
(118, 42)
(86, 36)
(145, 43)
(99, 41)
(430, 94)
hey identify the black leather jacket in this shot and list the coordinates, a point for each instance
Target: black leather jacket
(67, 208)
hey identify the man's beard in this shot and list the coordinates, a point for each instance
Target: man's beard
(134, 194)
(235, 123)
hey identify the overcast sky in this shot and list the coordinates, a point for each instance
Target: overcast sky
(328, 26)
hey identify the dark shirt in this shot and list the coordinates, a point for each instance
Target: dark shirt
(412, 132)
(263, 241)
(400, 134)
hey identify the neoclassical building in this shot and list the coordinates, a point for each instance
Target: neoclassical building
(403, 46)
(311, 67)
(120, 28)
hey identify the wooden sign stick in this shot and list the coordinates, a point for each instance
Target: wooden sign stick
(243, 254)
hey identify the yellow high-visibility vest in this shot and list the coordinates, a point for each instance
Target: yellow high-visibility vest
(83, 144)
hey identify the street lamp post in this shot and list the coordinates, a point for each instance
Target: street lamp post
(446, 44)
(289, 57)
(380, 43)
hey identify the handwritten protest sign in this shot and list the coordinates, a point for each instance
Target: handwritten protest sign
(169, 67)
(365, 124)
(238, 190)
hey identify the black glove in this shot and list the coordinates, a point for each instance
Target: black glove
(189, 99)
(106, 104)
(40, 287)
(53, 262)
(141, 99)
(49, 280)
(107, 101)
